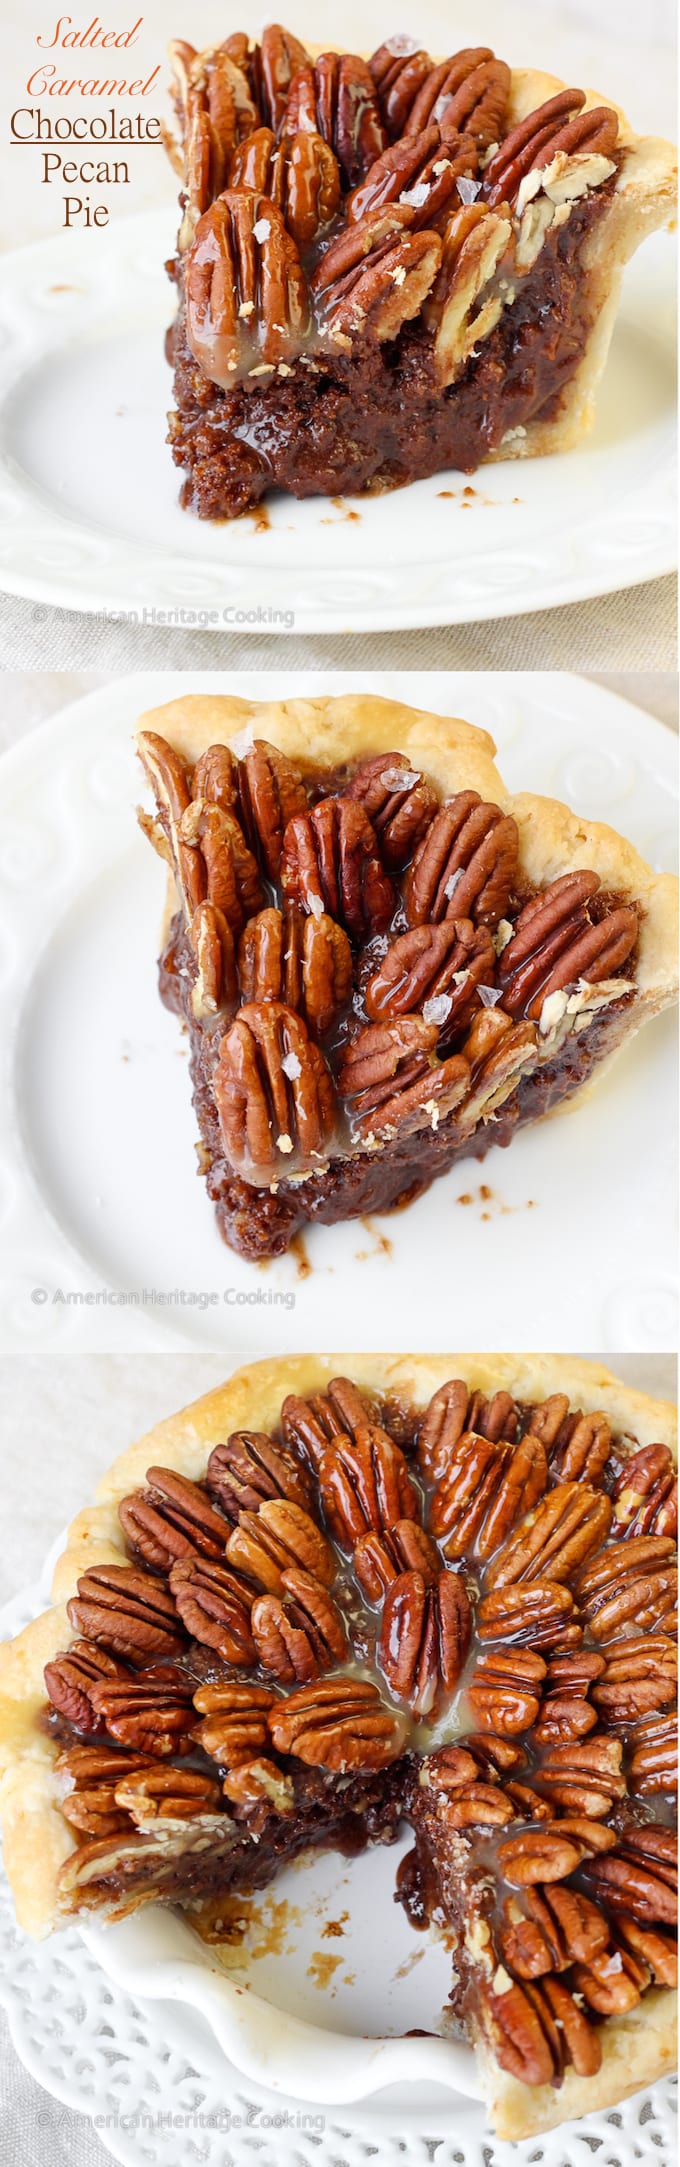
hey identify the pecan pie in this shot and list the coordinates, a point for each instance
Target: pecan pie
(341, 1594)
(384, 962)
(392, 266)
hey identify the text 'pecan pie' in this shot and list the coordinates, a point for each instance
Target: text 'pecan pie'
(439, 1590)
(385, 963)
(390, 267)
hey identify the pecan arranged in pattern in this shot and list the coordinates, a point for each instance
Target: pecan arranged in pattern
(215, 779)
(654, 1756)
(485, 1488)
(214, 1605)
(364, 1483)
(640, 1678)
(127, 1612)
(340, 1724)
(631, 1588)
(376, 274)
(86, 1779)
(424, 1640)
(381, 1555)
(421, 172)
(505, 1690)
(274, 1093)
(217, 111)
(331, 863)
(167, 775)
(172, 1518)
(151, 1714)
(391, 1073)
(69, 1680)
(398, 69)
(168, 1794)
(552, 1928)
(645, 1497)
(299, 1633)
(465, 866)
(539, 1614)
(247, 306)
(309, 1426)
(470, 290)
(465, 95)
(266, 1543)
(434, 969)
(464, 1801)
(451, 1411)
(399, 801)
(299, 174)
(281, 56)
(553, 1850)
(581, 1449)
(640, 1877)
(555, 944)
(584, 1776)
(337, 98)
(534, 2030)
(558, 126)
(234, 1729)
(249, 1468)
(499, 1053)
(566, 1712)
(231, 872)
(216, 982)
(304, 962)
(271, 792)
(565, 1527)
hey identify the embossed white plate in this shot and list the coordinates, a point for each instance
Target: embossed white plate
(131, 2024)
(567, 1240)
(89, 512)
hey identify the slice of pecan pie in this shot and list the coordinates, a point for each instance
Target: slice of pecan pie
(390, 267)
(384, 962)
(344, 1593)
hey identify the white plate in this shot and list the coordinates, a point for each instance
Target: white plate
(89, 506)
(573, 1247)
(135, 2026)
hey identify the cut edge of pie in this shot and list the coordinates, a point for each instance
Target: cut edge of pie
(637, 2047)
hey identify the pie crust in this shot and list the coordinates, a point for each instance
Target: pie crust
(636, 2048)
(640, 198)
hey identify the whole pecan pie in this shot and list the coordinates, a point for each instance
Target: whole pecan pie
(390, 267)
(385, 963)
(344, 1593)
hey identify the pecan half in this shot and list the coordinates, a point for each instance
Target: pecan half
(391, 1073)
(274, 1093)
(234, 1729)
(364, 1483)
(172, 1795)
(434, 969)
(340, 1724)
(631, 1588)
(640, 1678)
(552, 1851)
(281, 57)
(216, 984)
(217, 111)
(231, 871)
(215, 778)
(630, 1883)
(247, 307)
(535, 1615)
(127, 1612)
(171, 1518)
(555, 944)
(249, 1468)
(484, 1489)
(442, 1426)
(505, 1690)
(658, 1951)
(536, 2030)
(331, 863)
(69, 1680)
(376, 274)
(299, 1633)
(152, 1714)
(470, 290)
(424, 1640)
(581, 1449)
(299, 174)
(400, 803)
(169, 781)
(419, 171)
(584, 1775)
(558, 126)
(553, 1927)
(380, 1557)
(86, 1778)
(499, 1054)
(566, 1712)
(465, 866)
(214, 1605)
(557, 1536)
(305, 962)
(266, 1543)
(271, 792)
(645, 1495)
(654, 1756)
(337, 98)
(398, 69)
(309, 1426)
(467, 94)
